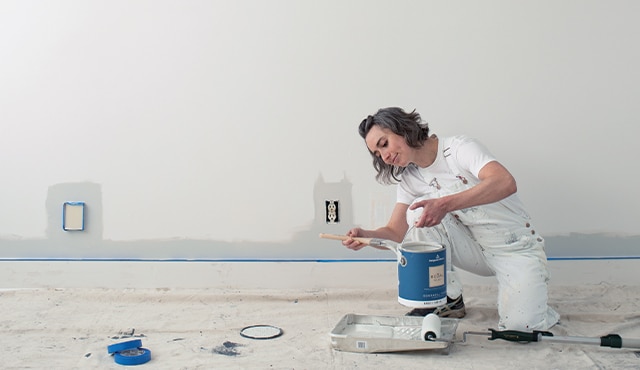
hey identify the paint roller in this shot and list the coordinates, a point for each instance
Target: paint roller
(431, 327)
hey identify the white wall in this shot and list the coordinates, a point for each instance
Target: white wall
(212, 120)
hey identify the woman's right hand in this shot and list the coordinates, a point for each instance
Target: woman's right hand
(354, 244)
(394, 230)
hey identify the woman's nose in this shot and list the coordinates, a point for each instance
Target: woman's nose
(386, 156)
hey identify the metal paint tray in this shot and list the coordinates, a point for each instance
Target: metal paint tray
(370, 334)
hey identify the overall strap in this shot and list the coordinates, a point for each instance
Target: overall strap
(464, 176)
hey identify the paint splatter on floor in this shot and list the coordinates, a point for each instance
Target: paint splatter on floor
(228, 349)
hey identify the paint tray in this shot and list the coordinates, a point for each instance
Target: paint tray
(374, 334)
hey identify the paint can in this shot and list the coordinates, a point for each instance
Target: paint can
(422, 275)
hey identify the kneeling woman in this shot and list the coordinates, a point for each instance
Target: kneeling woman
(452, 191)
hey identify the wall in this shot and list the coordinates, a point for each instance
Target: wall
(217, 129)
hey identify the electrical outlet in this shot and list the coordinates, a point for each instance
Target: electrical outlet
(332, 211)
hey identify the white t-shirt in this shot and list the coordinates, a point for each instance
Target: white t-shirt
(455, 169)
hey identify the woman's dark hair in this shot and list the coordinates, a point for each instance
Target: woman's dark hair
(407, 125)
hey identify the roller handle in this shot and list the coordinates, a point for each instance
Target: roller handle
(366, 241)
(629, 343)
(518, 336)
(611, 340)
(615, 341)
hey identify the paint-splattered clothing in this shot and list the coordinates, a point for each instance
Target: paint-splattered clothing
(494, 239)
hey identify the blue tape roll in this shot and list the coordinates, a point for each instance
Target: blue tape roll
(123, 346)
(136, 356)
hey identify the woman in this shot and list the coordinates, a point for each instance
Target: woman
(454, 192)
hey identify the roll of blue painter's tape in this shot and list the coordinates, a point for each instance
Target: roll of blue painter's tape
(136, 356)
(123, 346)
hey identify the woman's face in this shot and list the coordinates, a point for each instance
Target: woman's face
(391, 148)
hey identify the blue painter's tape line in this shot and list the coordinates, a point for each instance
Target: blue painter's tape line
(136, 356)
(123, 346)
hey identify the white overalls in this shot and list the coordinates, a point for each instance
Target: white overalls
(491, 240)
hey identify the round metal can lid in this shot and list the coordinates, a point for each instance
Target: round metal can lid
(261, 332)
